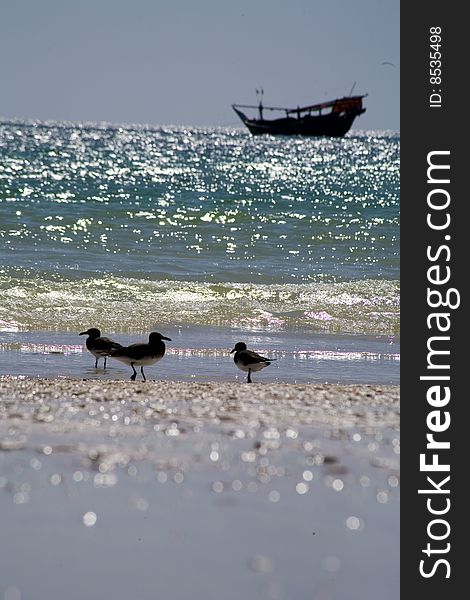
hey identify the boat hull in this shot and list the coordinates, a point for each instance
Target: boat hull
(333, 124)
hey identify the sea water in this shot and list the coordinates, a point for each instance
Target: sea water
(207, 235)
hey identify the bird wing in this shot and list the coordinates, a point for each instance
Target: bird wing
(104, 343)
(136, 351)
(248, 357)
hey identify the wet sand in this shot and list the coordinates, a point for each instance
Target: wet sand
(198, 490)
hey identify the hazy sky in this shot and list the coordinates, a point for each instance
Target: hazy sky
(186, 61)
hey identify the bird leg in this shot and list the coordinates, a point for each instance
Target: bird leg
(104, 363)
(134, 375)
(249, 376)
(96, 363)
(142, 371)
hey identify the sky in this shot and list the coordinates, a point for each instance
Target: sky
(184, 62)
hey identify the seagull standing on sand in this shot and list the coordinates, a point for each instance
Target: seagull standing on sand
(100, 347)
(142, 354)
(249, 361)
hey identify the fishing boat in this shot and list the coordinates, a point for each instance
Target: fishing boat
(333, 118)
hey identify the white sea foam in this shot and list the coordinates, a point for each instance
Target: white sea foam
(127, 305)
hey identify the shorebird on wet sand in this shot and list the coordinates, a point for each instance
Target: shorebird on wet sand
(249, 361)
(142, 354)
(100, 347)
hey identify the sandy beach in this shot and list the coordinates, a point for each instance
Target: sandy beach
(65, 402)
(198, 490)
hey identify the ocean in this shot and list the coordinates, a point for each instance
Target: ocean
(207, 235)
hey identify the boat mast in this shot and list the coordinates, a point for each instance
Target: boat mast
(259, 94)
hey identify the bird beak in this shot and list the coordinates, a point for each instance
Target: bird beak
(83, 333)
(165, 338)
(232, 351)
